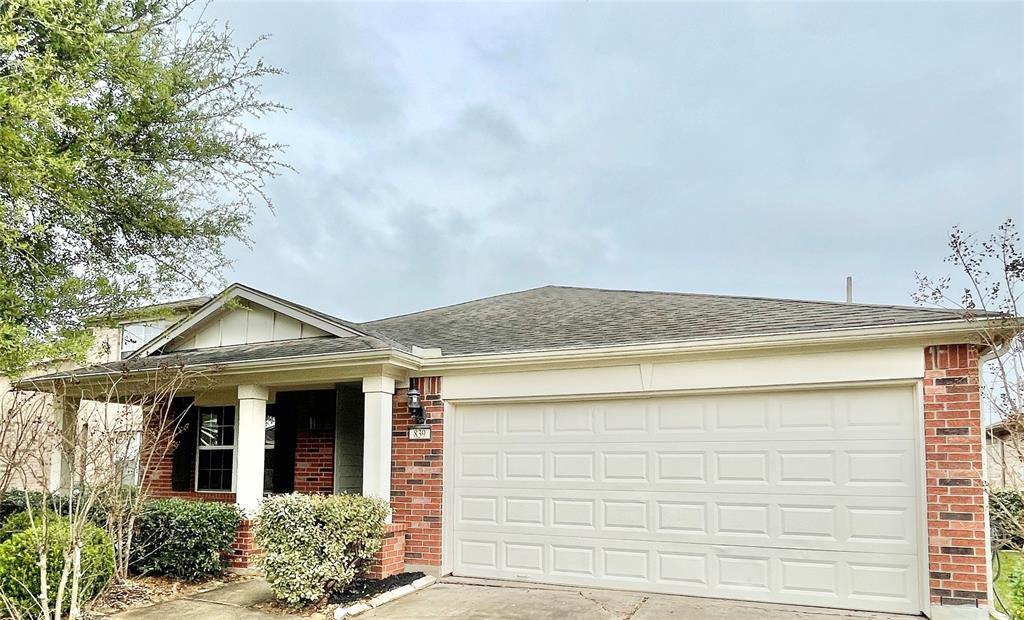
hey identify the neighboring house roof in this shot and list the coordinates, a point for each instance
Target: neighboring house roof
(561, 317)
(1003, 428)
(541, 319)
(190, 303)
(151, 311)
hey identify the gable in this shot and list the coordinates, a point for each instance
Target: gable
(242, 315)
(246, 323)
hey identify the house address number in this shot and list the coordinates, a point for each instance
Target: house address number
(421, 433)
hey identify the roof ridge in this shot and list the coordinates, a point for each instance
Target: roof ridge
(842, 304)
(838, 304)
(456, 305)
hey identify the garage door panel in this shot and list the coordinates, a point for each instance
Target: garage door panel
(788, 467)
(865, 413)
(860, 524)
(804, 497)
(808, 577)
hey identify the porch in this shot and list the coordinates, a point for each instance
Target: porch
(241, 443)
(307, 439)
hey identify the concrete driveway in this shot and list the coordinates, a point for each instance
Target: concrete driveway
(483, 599)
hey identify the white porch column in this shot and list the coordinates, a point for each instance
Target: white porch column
(377, 393)
(62, 457)
(252, 428)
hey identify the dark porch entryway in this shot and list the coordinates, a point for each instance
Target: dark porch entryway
(314, 441)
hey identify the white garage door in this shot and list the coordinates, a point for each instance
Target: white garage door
(803, 497)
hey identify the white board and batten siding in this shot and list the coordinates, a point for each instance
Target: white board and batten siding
(800, 496)
(248, 325)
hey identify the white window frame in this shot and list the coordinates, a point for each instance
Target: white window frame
(233, 447)
(159, 325)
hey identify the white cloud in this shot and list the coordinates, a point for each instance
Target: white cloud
(451, 151)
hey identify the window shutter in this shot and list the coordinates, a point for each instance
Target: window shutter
(284, 450)
(184, 457)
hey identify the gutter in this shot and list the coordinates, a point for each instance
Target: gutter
(932, 332)
(391, 357)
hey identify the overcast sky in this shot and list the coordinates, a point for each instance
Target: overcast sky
(449, 152)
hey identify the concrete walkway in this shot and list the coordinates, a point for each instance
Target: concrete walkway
(230, 602)
(475, 599)
(478, 599)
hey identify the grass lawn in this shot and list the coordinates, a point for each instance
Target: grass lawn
(1007, 560)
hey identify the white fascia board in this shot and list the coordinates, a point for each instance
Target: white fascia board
(236, 291)
(386, 361)
(388, 357)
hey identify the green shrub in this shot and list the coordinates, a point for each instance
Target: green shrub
(14, 502)
(21, 521)
(315, 545)
(182, 538)
(19, 570)
(1016, 603)
(1006, 513)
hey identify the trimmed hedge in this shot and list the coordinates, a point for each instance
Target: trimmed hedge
(19, 570)
(315, 545)
(21, 521)
(183, 538)
(14, 502)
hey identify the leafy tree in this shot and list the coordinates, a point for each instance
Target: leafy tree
(987, 280)
(125, 163)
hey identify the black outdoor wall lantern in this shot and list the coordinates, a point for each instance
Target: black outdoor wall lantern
(415, 405)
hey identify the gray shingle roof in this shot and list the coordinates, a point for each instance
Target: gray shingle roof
(560, 317)
(281, 349)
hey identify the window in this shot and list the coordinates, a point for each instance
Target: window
(215, 458)
(134, 335)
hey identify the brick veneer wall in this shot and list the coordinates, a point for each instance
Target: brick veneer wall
(390, 560)
(314, 461)
(158, 478)
(954, 453)
(416, 471)
(244, 549)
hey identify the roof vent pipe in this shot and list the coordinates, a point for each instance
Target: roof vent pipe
(849, 289)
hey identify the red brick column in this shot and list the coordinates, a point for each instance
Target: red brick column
(416, 472)
(314, 462)
(390, 560)
(954, 453)
(244, 549)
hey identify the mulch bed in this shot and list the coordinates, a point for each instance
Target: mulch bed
(146, 591)
(355, 592)
(369, 588)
